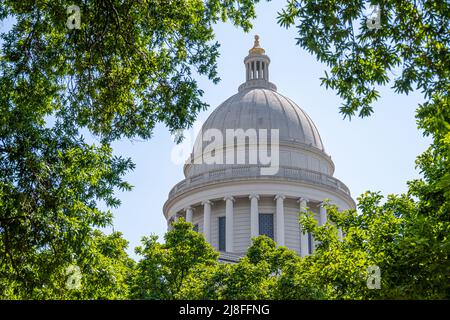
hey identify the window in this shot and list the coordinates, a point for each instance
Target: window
(222, 234)
(310, 243)
(195, 227)
(266, 224)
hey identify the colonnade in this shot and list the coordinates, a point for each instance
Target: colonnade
(254, 220)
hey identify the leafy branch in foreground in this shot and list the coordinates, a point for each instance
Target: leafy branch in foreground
(412, 45)
(129, 66)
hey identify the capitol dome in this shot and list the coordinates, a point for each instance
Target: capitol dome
(263, 107)
(229, 193)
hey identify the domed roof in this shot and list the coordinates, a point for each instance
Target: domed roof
(231, 152)
(261, 107)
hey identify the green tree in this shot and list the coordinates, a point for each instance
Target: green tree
(102, 271)
(338, 268)
(129, 66)
(49, 187)
(106, 269)
(255, 276)
(164, 268)
(413, 43)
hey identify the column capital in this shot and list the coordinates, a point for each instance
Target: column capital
(228, 198)
(280, 196)
(188, 208)
(254, 196)
(327, 202)
(302, 199)
(207, 202)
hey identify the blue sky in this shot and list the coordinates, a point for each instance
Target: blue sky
(375, 153)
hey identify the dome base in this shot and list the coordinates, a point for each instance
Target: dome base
(257, 83)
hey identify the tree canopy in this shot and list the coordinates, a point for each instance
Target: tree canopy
(410, 51)
(130, 65)
(164, 269)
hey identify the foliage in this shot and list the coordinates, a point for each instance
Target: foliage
(129, 66)
(381, 234)
(164, 268)
(106, 270)
(49, 186)
(255, 276)
(414, 43)
(338, 267)
(104, 273)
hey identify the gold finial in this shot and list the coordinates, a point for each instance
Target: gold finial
(256, 44)
(256, 48)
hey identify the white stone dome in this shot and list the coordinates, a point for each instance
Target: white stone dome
(258, 106)
(231, 202)
(261, 107)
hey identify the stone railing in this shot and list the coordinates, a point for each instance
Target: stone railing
(237, 172)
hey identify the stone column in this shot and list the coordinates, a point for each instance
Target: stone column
(340, 233)
(229, 224)
(207, 220)
(254, 217)
(189, 214)
(322, 215)
(260, 72)
(280, 220)
(304, 250)
(253, 66)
